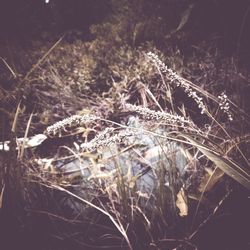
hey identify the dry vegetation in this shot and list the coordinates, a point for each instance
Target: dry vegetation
(121, 145)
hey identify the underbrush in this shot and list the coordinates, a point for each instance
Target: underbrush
(146, 163)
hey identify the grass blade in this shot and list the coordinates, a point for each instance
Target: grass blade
(226, 165)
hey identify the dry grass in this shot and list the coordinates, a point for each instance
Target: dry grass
(105, 184)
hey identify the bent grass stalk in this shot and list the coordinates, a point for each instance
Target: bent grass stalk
(117, 224)
(178, 123)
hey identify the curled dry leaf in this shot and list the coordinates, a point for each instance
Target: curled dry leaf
(181, 203)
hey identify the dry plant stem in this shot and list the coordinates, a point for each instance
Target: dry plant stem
(172, 179)
(58, 217)
(226, 165)
(37, 65)
(241, 31)
(200, 90)
(173, 138)
(177, 80)
(182, 243)
(1, 194)
(153, 98)
(10, 162)
(167, 87)
(240, 110)
(72, 221)
(143, 215)
(159, 115)
(42, 59)
(121, 187)
(118, 225)
(241, 139)
(8, 67)
(227, 134)
(150, 114)
(75, 120)
(187, 85)
(20, 156)
(199, 202)
(211, 215)
(13, 128)
(202, 194)
(77, 156)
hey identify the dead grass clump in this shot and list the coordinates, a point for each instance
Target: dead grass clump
(134, 173)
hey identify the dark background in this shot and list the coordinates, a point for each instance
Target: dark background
(226, 20)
